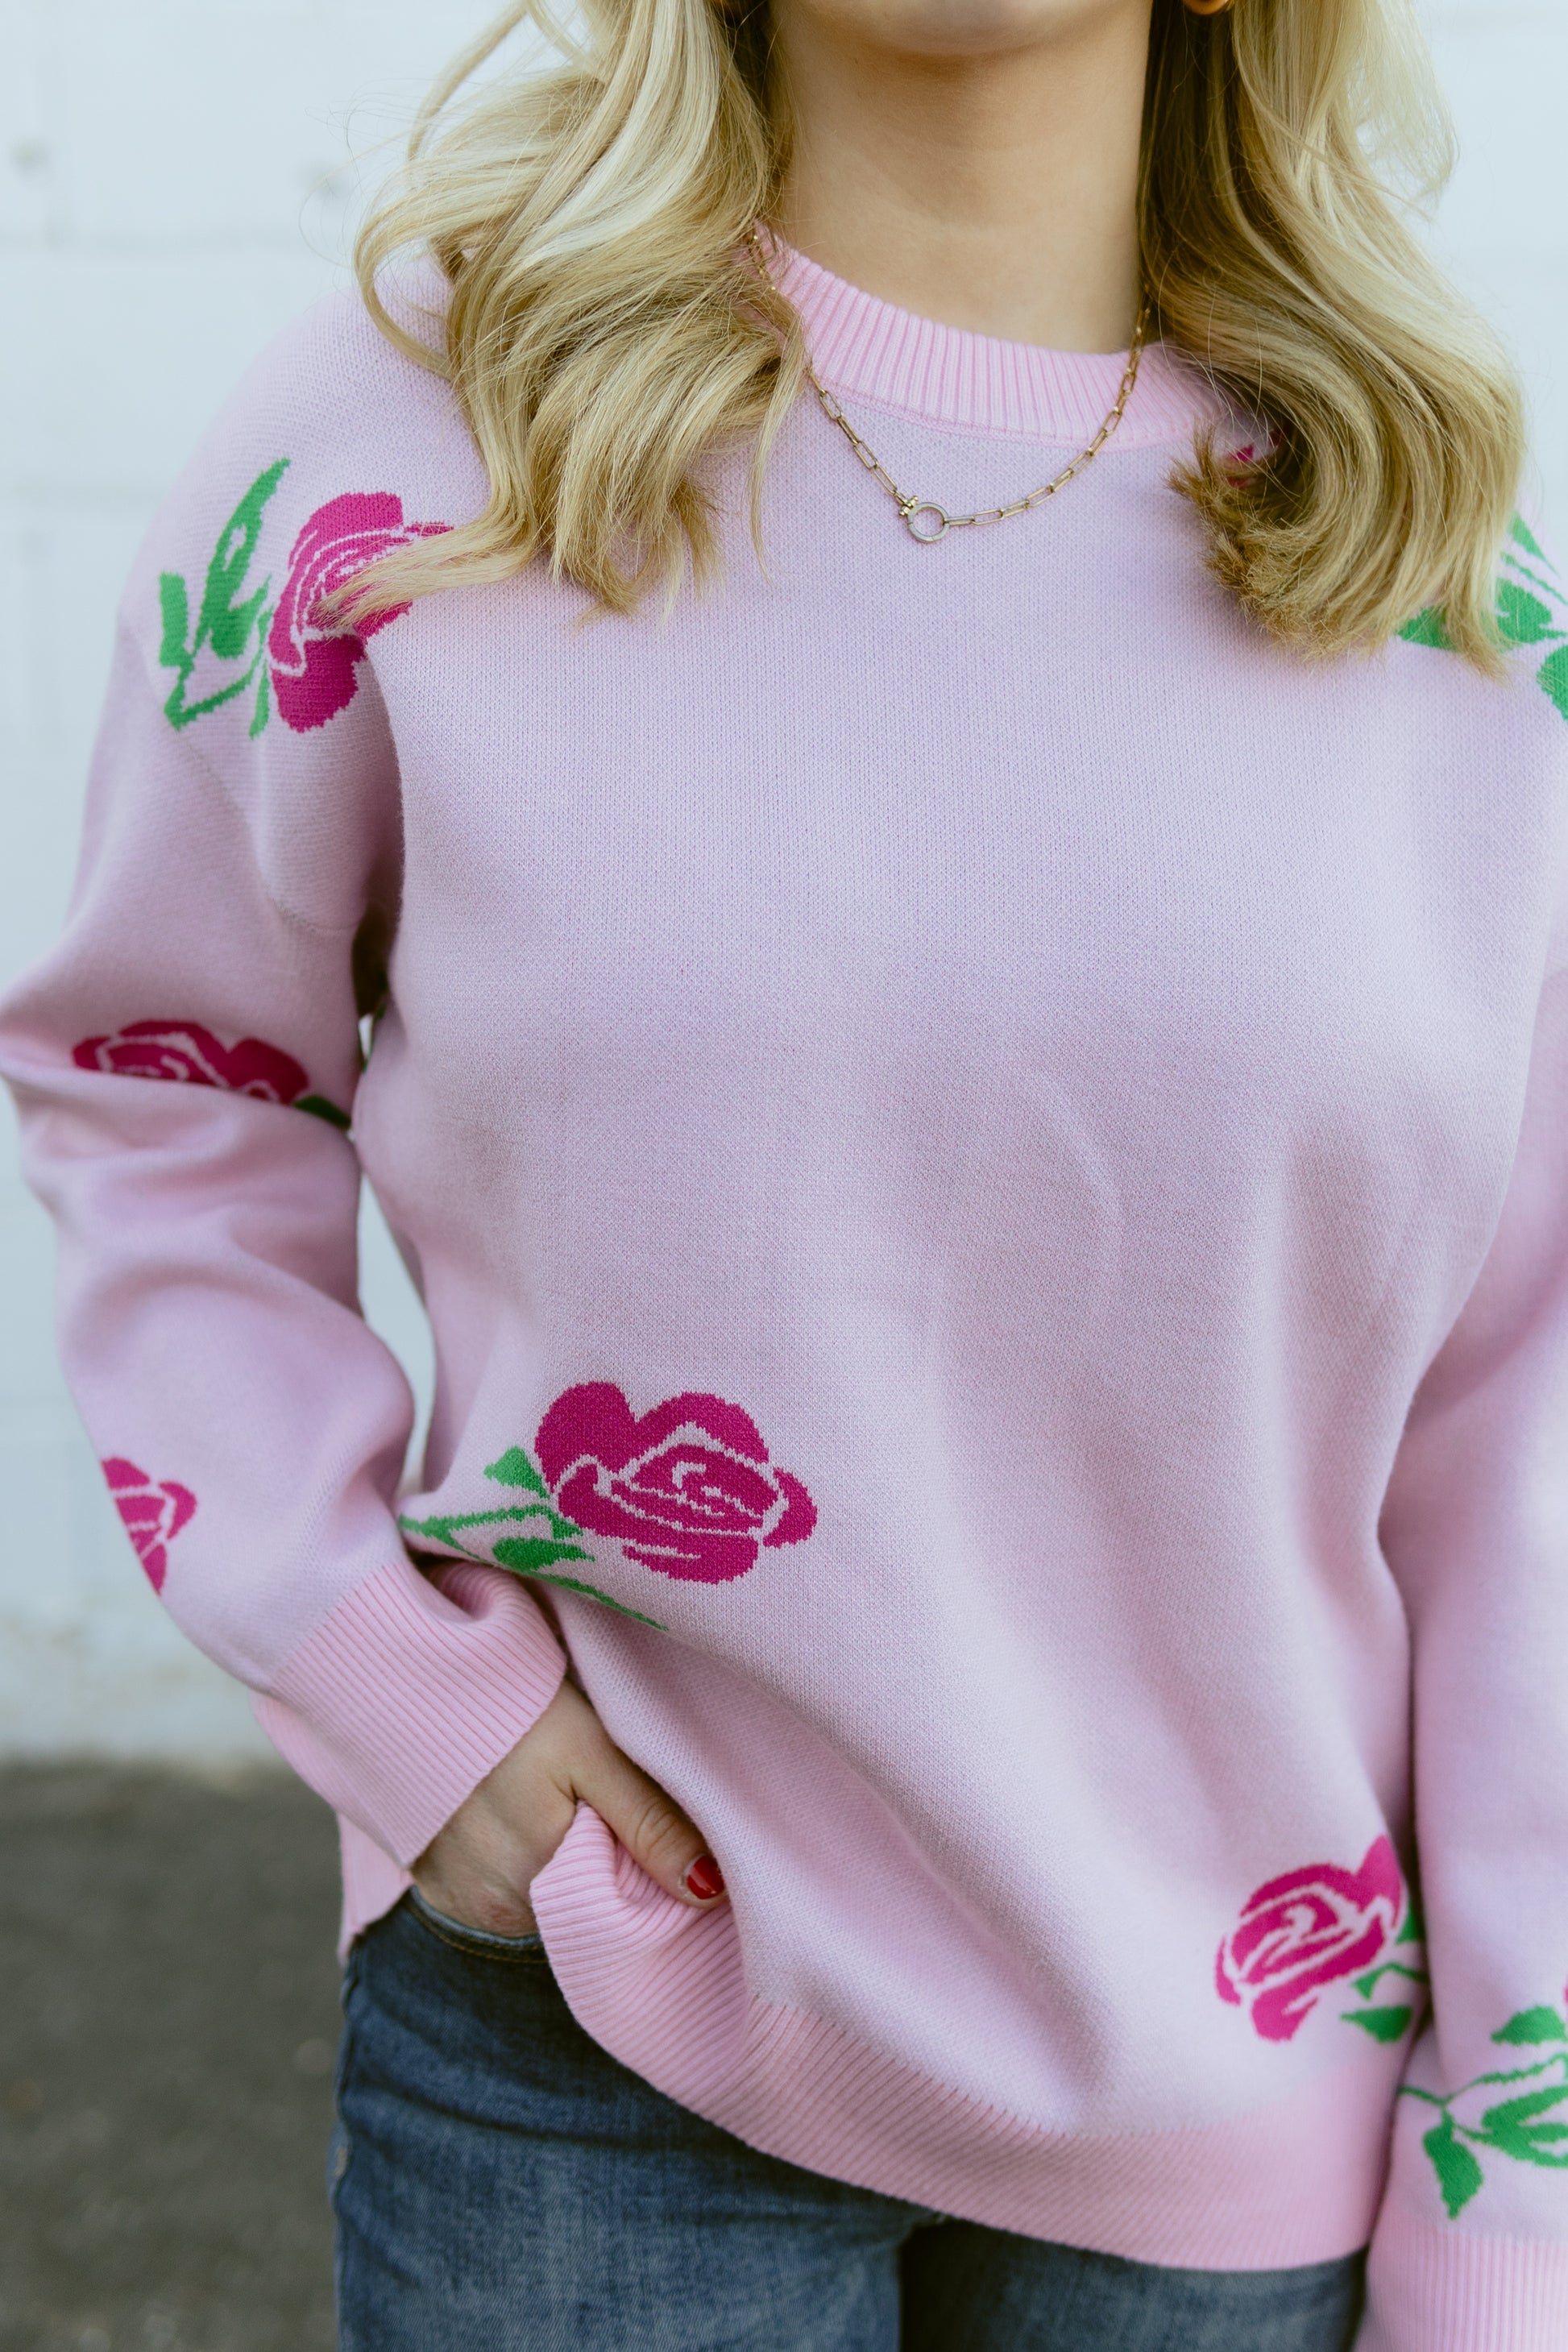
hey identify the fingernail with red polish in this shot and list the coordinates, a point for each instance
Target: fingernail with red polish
(705, 1879)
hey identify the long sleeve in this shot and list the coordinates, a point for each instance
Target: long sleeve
(185, 1064)
(1470, 2252)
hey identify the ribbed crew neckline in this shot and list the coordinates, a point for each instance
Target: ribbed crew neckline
(867, 350)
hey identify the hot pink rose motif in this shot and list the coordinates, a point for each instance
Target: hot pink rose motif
(153, 1510)
(314, 667)
(190, 1054)
(688, 1489)
(1306, 1930)
(184, 1050)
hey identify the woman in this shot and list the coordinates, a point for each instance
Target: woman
(976, 1095)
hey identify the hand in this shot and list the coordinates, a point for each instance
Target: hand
(479, 1868)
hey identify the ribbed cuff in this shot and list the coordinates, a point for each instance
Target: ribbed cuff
(413, 1688)
(1432, 2290)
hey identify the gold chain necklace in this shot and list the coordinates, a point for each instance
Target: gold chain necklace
(923, 518)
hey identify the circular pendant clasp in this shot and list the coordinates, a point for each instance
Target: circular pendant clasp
(926, 521)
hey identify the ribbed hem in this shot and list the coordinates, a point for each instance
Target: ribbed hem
(1441, 2290)
(409, 1693)
(373, 1882)
(663, 1988)
(865, 349)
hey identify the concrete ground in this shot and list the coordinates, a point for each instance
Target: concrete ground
(168, 2023)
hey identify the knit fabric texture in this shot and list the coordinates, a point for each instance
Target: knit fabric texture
(987, 1153)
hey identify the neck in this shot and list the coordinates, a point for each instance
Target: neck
(989, 187)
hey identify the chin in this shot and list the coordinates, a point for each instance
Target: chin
(959, 28)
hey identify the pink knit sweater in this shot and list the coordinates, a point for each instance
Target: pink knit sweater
(988, 1156)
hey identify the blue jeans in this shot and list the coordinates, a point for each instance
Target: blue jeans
(502, 2184)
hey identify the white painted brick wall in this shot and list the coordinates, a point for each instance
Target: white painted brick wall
(176, 178)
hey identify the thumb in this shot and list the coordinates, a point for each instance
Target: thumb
(651, 1826)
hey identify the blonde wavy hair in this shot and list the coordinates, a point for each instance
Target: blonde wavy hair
(605, 331)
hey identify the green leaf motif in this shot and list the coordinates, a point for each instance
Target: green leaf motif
(1458, 2174)
(1428, 629)
(1522, 618)
(1383, 2024)
(528, 1554)
(1512, 2127)
(320, 1108)
(515, 1469)
(1520, 2109)
(1553, 678)
(1532, 2025)
(436, 1530)
(173, 599)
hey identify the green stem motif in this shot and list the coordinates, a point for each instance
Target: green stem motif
(535, 1555)
(592, 1592)
(1527, 2125)
(439, 1531)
